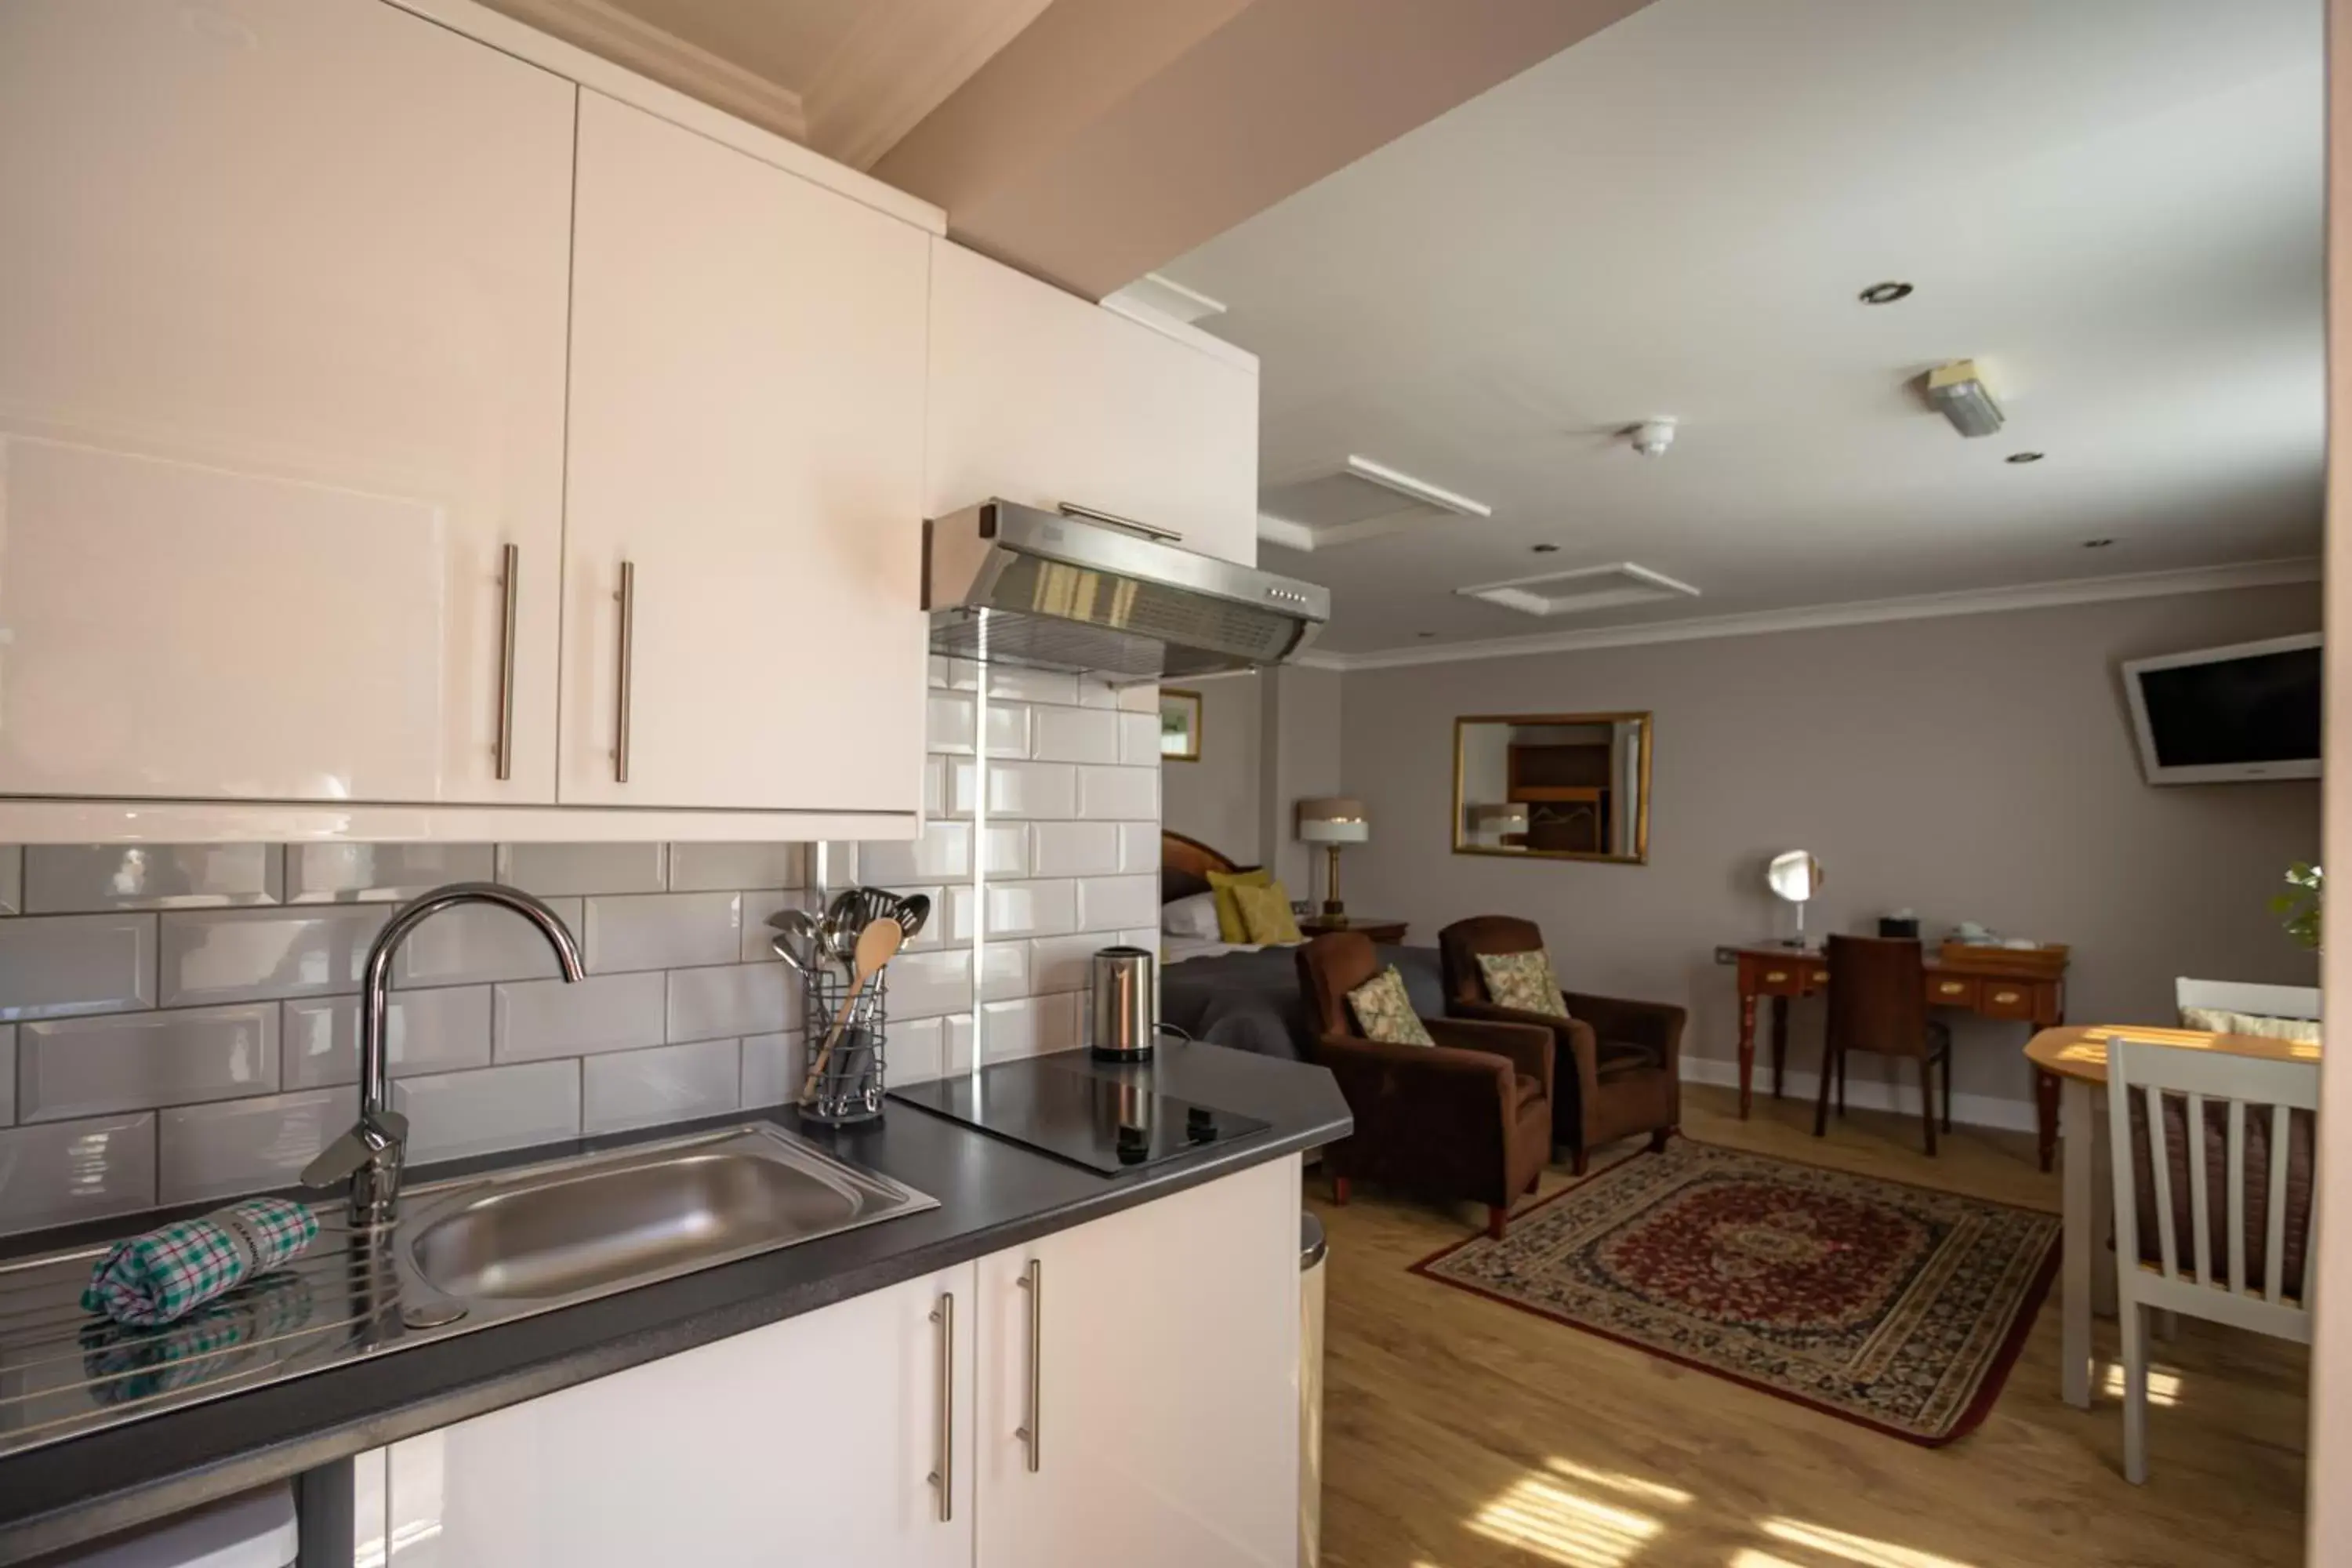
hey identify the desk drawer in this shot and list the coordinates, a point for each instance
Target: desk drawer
(2005, 998)
(1774, 976)
(1952, 990)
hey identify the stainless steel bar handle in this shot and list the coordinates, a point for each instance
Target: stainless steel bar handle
(943, 1477)
(1033, 1280)
(510, 579)
(1072, 508)
(627, 598)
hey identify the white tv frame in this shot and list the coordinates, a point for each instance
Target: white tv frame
(2228, 773)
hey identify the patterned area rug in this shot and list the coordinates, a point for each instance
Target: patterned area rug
(1894, 1306)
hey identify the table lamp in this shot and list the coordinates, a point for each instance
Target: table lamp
(1331, 821)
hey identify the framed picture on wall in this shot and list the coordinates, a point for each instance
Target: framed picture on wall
(1179, 725)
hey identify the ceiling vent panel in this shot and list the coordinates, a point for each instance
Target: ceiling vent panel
(1583, 591)
(1359, 501)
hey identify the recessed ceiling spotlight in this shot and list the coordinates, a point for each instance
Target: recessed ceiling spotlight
(2024, 457)
(1545, 549)
(1885, 293)
(2096, 543)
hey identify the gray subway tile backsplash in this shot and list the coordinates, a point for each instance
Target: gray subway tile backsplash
(228, 1035)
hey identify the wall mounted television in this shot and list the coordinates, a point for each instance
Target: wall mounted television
(2220, 715)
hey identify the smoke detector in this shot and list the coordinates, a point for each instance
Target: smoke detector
(1651, 438)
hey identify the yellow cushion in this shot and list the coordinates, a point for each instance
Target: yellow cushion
(1384, 1011)
(1230, 927)
(1266, 913)
(1523, 980)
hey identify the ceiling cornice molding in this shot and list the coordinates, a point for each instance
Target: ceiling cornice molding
(899, 62)
(608, 31)
(1913, 607)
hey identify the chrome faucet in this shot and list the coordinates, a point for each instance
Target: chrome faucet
(370, 1153)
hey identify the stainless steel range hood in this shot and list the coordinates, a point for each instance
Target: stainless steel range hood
(1101, 595)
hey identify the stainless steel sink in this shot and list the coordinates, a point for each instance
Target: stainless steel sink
(463, 1255)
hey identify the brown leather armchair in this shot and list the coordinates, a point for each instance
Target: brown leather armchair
(1621, 1060)
(1469, 1119)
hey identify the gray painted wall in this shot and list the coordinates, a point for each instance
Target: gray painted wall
(1299, 759)
(1215, 800)
(1969, 767)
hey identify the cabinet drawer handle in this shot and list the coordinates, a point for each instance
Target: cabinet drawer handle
(943, 1478)
(510, 579)
(1821, 977)
(1952, 988)
(1774, 977)
(1033, 1280)
(2004, 996)
(627, 599)
(1143, 530)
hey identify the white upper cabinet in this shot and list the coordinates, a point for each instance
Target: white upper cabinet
(1042, 398)
(1149, 1416)
(281, 379)
(746, 454)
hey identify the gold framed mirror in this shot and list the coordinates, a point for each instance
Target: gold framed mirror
(1553, 786)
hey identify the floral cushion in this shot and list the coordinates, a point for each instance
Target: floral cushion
(1524, 981)
(1266, 915)
(1385, 1013)
(1229, 913)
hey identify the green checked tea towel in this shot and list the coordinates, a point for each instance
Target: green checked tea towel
(155, 1278)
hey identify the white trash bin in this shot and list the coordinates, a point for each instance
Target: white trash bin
(1310, 1390)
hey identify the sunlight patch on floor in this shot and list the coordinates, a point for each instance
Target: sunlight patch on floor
(2163, 1387)
(1858, 1549)
(1619, 1481)
(1539, 1515)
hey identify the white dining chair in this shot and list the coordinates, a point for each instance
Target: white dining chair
(2246, 997)
(2214, 1282)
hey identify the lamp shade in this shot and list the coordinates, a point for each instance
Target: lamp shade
(1499, 818)
(1333, 819)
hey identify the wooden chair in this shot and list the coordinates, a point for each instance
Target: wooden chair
(2240, 1210)
(1467, 1119)
(1878, 1001)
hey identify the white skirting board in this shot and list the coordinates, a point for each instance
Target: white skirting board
(1866, 1090)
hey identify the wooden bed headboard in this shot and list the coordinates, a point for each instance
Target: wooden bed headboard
(1185, 864)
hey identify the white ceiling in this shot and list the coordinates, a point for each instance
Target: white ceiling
(2114, 206)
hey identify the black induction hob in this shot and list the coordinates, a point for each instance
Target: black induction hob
(1104, 1123)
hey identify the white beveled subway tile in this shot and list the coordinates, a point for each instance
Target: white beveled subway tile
(1108, 903)
(70, 1068)
(1075, 735)
(667, 1083)
(473, 944)
(379, 873)
(437, 1030)
(925, 984)
(246, 1145)
(727, 867)
(1139, 847)
(759, 909)
(12, 879)
(1032, 908)
(1118, 793)
(1017, 789)
(62, 1172)
(70, 878)
(916, 1051)
(1145, 937)
(958, 1042)
(935, 787)
(1073, 848)
(451, 1115)
(1144, 698)
(532, 1020)
(1058, 963)
(1004, 971)
(1032, 1026)
(1010, 725)
(244, 955)
(731, 999)
(52, 967)
(952, 674)
(941, 852)
(1017, 684)
(555, 870)
(8, 1074)
(772, 1068)
(1094, 691)
(949, 722)
(663, 930)
(1138, 738)
(832, 864)
(1005, 851)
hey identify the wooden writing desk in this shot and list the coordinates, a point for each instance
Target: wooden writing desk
(2030, 996)
(2078, 1059)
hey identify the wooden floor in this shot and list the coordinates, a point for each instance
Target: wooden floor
(1459, 1432)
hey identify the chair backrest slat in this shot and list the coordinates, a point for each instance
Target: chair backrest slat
(2236, 1211)
(2200, 1174)
(2161, 1165)
(2274, 1253)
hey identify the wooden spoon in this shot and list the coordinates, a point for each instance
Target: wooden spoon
(878, 944)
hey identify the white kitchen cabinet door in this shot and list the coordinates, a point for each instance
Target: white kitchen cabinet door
(810, 1442)
(746, 443)
(1164, 1382)
(1042, 398)
(281, 378)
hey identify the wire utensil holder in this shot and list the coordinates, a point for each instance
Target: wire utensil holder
(850, 1089)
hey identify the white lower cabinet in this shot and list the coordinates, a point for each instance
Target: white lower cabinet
(812, 1441)
(1148, 1417)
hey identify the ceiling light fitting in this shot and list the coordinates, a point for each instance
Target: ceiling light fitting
(1581, 590)
(1651, 438)
(1419, 490)
(1544, 549)
(1960, 395)
(1885, 293)
(2024, 457)
(2096, 543)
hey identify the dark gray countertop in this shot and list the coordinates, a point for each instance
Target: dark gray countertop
(992, 1195)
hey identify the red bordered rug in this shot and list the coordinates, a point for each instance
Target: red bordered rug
(1899, 1307)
